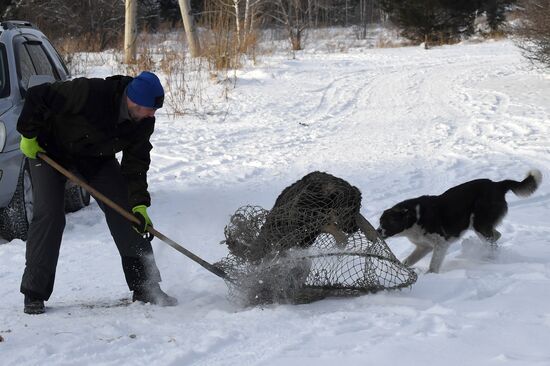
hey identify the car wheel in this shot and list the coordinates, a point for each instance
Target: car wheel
(76, 197)
(15, 218)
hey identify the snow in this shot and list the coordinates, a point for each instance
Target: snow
(395, 122)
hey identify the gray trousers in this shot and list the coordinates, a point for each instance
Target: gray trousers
(48, 223)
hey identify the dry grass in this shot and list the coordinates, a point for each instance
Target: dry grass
(144, 61)
(221, 44)
(184, 82)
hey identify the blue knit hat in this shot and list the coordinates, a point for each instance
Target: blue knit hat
(146, 90)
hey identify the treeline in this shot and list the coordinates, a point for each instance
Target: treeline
(419, 19)
(101, 22)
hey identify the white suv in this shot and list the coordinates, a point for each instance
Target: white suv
(26, 56)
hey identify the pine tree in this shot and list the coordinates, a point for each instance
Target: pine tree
(496, 12)
(443, 20)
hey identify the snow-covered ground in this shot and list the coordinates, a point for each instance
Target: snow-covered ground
(395, 122)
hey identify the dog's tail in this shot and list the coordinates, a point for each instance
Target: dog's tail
(527, 186)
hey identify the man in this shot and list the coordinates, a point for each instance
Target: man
(82, 124)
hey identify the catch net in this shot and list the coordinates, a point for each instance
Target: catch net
(313, 243)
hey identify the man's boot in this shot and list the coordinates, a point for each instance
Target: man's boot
(33, 306)
(153, 294)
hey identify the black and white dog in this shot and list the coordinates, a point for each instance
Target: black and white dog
(435, 222)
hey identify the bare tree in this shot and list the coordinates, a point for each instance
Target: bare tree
(293, 15)
(8, 7)
(101, 20)
(534, 31)
(244, 14)
(251, 13)
(369, 13)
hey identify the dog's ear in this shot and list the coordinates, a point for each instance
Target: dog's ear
(407, 215)
(411, 216)
(400, 210)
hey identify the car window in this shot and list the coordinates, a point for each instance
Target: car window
(26, 68)
(4, 73)
(40, 60)
(53, 51)
(32, 59)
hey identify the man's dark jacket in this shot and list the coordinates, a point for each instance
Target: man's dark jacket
(77, 122)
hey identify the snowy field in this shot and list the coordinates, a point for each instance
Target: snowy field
(397, 123)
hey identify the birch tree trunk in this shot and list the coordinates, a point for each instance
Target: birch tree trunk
(246, 26)
(237, 22)
(130, 31)
(190, 31)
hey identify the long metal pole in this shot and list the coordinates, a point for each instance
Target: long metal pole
(102, 198)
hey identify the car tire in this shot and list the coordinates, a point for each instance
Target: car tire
(76, 197)
(15, 218)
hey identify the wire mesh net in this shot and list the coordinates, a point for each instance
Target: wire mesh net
(313, 243)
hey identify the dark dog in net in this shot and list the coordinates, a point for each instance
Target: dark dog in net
(313, 243)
